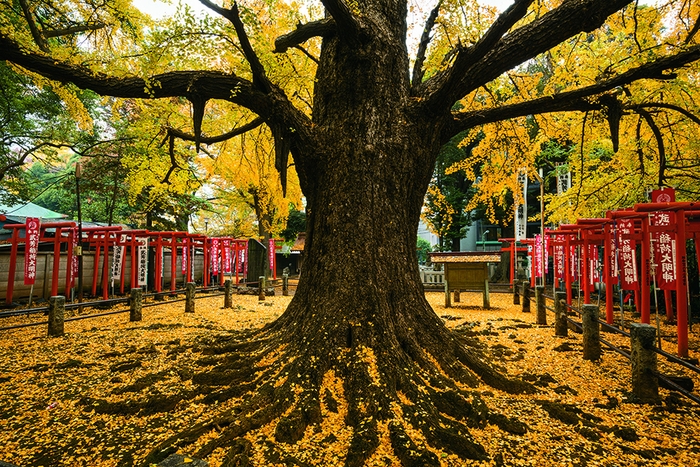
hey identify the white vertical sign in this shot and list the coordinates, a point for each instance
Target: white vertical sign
(143, 262)
(117, 259)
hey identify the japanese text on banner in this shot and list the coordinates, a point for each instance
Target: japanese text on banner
(664, 249)
(33, 227)
(627, 255)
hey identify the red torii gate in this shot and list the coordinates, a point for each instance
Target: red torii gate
(160, 240)
(102, 237)
(57, 239)
(567, 243)
(513, 249)
(682, 211)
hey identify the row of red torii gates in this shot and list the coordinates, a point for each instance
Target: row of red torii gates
(221, 255)
(658, 231)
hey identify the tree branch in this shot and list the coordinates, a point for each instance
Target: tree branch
(219, 138)
(346, 22)
(260, 79)
(36, 34)
(494, 55)
(303, 33)
(74, 29)
(663, 105)
(578, 99)
(418, 71)
(659, 143)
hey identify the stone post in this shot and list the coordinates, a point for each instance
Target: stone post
(541, 305)
(486, 296)
(516, 295)
(458, 296)
(189, 297)
(526, 297)
(448, 301)
(285, 284)
(591, 333)
(57, 312)
(561, 327)
(228, 291)
(136, 305)
(645, 384)
(261, 288)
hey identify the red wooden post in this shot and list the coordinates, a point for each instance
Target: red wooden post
(585, 266)
(105, 266)
(56, 261)
(567, 268)
(157, 276)
(205, 269)
(644, 302)
(608, 272)
(173, 260)
(69, 261)
(681, 286)
(96, 264)
(134, 265)
(122, 273)
(13, 265)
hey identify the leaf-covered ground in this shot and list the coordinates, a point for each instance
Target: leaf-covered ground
(109, 391)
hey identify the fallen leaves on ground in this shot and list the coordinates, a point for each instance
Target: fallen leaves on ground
(56, 394)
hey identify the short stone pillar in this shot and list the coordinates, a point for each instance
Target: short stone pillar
(526, 297)
(458, 297)
(645, 384)
(516, 295)
(561, 327)
(189, 297)
(591, 333)
(285, 284)
(57, 312)
(261, 288)
(136, 305)
(448, 299)
(541, 305)
(228, 292)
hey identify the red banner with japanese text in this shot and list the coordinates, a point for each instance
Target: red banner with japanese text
(593, 264)
(226, 256)
(546, 251)
(184, 256)
(573, 262)
(627, 255)
(559, 256)
(538, 256)
(214, 253)
(611, 253)
(32, 229)
(664, 249)
(74, 259)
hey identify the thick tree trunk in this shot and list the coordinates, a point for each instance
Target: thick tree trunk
(359, 314)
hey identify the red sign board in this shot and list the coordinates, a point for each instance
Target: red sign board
(226, 256)
(33, 226)
(664, 249)
(628, 255)
(664, 195)
(215, 256)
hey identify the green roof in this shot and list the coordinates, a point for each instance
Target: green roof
(30, 210)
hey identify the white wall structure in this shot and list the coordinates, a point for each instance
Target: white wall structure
(426, 234)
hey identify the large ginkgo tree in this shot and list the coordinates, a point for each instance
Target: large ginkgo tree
(364, 145)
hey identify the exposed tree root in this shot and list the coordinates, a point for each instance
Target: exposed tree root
(283, 391)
